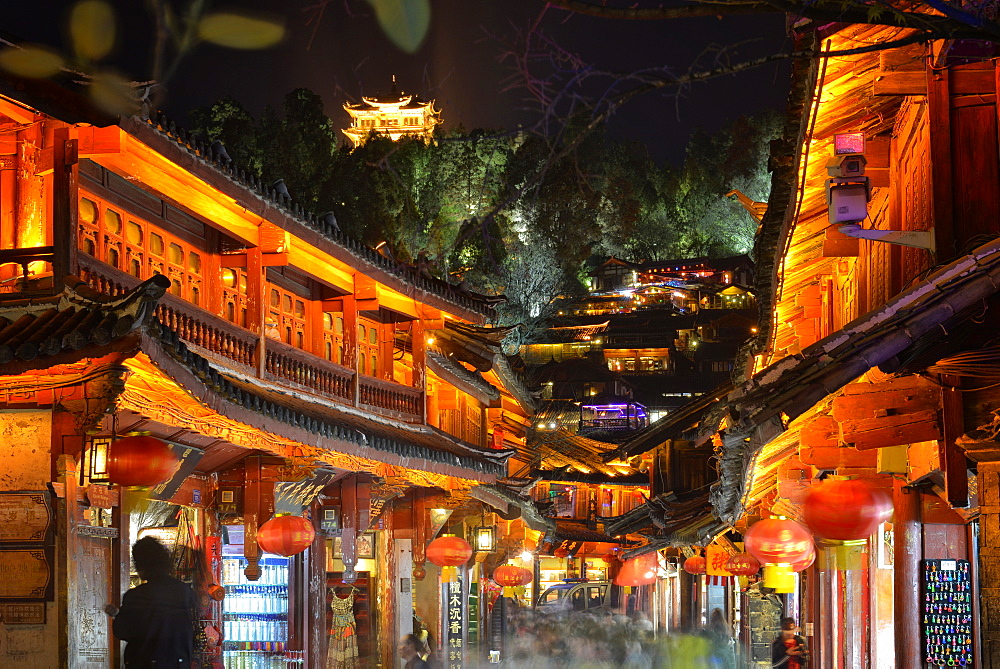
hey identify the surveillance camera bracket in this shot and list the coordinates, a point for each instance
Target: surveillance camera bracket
(919, 239)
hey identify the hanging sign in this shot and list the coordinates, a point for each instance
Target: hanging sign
(715, 561)
(27, 573)
(455, 624)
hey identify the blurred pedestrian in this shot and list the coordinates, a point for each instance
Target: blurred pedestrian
(411, 649)
(721, 637)
(789, 649)
(156, 618)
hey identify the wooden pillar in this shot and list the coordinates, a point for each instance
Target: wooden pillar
(258, 505)
(317, 636)
(989, 562)
(256, 301)
(64, 179)
(314, 322)
(907, 552)
(387, 583)
(211, 274)
(351, 342)
(386, 347)
(952, 458)
(939, 122)
(419, 346)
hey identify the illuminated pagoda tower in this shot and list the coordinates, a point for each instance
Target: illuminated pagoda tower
(396, 115)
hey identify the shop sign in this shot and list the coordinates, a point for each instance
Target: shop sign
(27, 573)
(715, 561)
(98, 531)
(102, 496)
(329, 518)
(188, 457)
(25, 517)
(455, 625)
(23, 613)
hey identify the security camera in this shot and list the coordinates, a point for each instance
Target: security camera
(846, 166)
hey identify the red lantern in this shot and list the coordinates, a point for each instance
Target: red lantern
(778, 541)
(526, 576)
(419, 573)
(742, 565)
(805, 562)
(286, 535)
(638, 571)
(508, 576)
(140, 460)
(843, 509)
(560, 553)
(448, 552)
(695, 565)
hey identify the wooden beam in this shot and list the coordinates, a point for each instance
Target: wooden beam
(953, 462)
(64, 203)
(891, 430)
(963, 82)
(939, 91)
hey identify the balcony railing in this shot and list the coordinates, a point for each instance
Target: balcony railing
(283, 364)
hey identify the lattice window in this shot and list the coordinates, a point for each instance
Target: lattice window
(368, 347)
(333, 336)
(286, 316)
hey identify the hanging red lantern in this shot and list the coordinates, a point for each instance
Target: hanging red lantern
(695, 565)
(742, 564)
(778, 541)
(638, 571)
(842, 509)
(448, 552)
(805, 562)
(508, 576)
(286, 535)
(140, 460)
(526, 576)
(560, 553)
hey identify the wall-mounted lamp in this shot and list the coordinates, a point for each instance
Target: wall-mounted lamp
(94, 468)
(486, 539)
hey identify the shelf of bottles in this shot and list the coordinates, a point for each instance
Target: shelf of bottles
(255, 614)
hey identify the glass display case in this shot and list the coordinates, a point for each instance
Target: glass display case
(255, 613)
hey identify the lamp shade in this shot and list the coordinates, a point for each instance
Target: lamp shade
(140, 460)
(778, 541)
(742, 564)
(638, 571)
(843, 509)
(286, 535)
(695, 564)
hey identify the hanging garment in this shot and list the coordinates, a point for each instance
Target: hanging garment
(343, 652)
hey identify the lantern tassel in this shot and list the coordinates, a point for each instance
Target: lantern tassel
(508, 591)
(449, 574)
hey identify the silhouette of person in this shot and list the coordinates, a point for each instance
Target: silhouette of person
(156, 618)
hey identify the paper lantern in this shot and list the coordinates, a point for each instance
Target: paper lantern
(560, 553)
(638, 571)
(843, 509)
(448, 552)
(286, 535)
(742, 564)
(508, 576)
(526, 576)
(778, 541)
(419, 573)
(695, 565)
(140, 460)
(805, 562)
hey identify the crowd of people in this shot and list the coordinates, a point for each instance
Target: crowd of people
(605, 640)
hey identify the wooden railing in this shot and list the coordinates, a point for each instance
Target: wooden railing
(405, 402)
(283, 364)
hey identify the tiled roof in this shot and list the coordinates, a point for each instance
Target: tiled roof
(33, 329)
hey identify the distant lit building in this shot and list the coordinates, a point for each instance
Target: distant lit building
(396, 115)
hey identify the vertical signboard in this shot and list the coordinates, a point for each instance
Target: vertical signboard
(454, 624)
(947, 618)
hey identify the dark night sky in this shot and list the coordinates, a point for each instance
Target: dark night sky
(457, 64)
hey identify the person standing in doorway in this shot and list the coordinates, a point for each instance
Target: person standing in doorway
(156, 618)
(789, 649)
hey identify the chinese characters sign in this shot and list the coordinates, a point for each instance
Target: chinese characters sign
(454, 624)
(715, 561)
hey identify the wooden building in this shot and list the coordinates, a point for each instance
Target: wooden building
(395, 115)
(147, 284)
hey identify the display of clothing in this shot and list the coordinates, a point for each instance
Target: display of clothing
(343, 650)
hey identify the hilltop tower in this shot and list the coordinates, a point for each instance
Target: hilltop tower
(396, 115)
